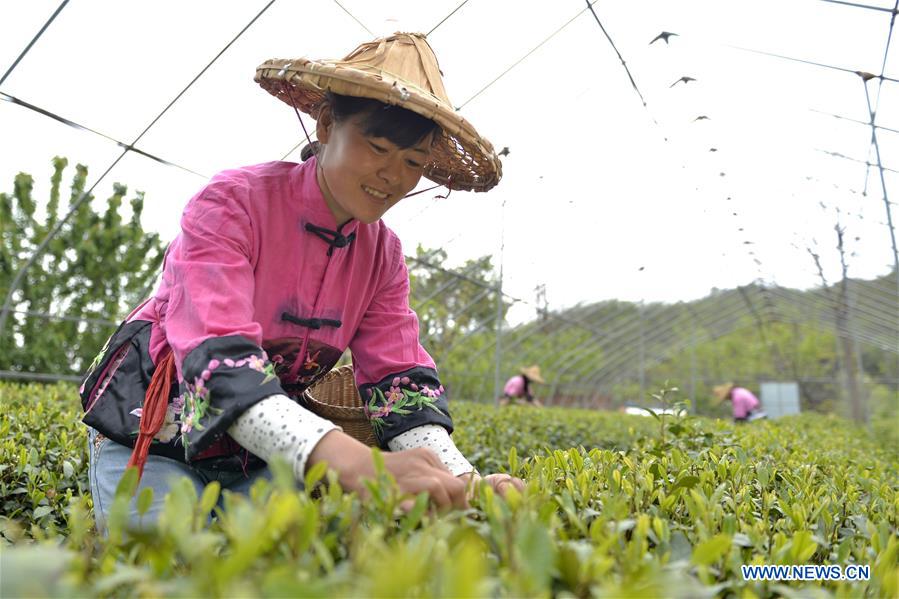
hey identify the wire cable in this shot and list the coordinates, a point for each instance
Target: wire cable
(621, 58)
(33, 41)
(844, 157)
(809, 62)
(865, 6)
(43, 111)
(883, 184)
(47, 315)
(434, 28)
(201, 73)
(4, 312)
(846, 118)
(873, 114)
(520, 60)
(361, 24)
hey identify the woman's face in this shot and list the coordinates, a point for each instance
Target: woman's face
(362, 177)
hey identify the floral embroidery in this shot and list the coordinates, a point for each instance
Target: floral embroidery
(187, 411)
(100, 356)
(95, 363)
(110, 371)
(169, 427)
(311, 362)
(296, 370)
(196, 403)
(253, 361)
(280, 366)
(398, 399)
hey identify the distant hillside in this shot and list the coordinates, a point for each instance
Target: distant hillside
(751, 333)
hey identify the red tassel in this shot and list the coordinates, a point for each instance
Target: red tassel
(153, 413)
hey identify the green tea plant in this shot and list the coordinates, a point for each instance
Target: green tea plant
(672, 409)
(43, 455)
(609, 510)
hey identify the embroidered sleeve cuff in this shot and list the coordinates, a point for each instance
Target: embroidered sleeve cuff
(435, 438)
(279, 426)
(403, 401)
(223, 377)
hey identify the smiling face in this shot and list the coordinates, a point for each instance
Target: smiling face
(363, 175)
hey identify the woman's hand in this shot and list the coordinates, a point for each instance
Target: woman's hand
(415, 470)
(500, 482)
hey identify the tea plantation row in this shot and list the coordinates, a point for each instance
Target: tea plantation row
(612, 508)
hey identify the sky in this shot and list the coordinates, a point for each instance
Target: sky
(601, 197)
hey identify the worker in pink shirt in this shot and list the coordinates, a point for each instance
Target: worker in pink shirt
(744, 404)
(518, 387)
(278, 269)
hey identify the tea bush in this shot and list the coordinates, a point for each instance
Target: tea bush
(611, 509)
(43, 453)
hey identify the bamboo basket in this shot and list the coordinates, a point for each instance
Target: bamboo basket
(336, 398)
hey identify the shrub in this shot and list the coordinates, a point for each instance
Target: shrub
(611, 509)
(43, 454)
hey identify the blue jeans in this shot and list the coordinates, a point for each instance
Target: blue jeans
(108, 461)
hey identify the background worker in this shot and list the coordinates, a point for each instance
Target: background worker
(518, 388)
(744, 404)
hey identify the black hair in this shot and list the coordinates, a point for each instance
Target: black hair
(394, 123)
(309, 150)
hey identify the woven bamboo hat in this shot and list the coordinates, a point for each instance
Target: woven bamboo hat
(400, 70)
(722, 391)
(533, 373)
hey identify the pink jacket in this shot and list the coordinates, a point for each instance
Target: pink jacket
(514, 386)
(743, 401)
(260, 265)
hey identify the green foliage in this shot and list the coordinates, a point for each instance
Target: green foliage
(884, 404)
(450, 305)
(43, 456)
(485, 434)
(786, 352)
(98, 266)
(456, 310)
(610, 509)
(589, 355)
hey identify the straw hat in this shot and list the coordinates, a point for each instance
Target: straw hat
(533, 373)
(722, 391)
(401, 70)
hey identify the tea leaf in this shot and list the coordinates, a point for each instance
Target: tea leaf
(210, 497)
(685, 482)
(710, 551)
(41, 511)
(144, 500)
(610, 510)
(314, 474)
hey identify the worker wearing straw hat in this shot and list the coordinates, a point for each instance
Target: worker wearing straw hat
(278, 269)
(744, 404)
(518, 388)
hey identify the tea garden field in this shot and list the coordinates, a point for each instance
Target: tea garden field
(615, 506)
